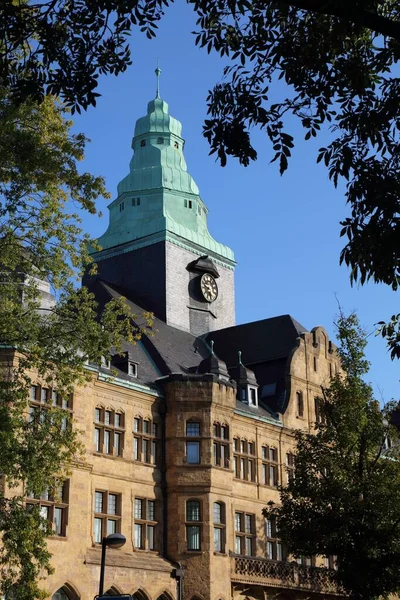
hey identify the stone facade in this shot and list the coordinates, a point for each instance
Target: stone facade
(233, 481)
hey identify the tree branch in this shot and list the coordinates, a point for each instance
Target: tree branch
(373, 21)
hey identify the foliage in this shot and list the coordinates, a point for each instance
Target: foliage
(344, 499)
(42, 341)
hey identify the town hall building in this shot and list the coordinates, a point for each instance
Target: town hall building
(189, 432)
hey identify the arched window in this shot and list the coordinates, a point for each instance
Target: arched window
(112, 592)
(60, 594)
(193, 529)
(299, 404)
(219, 526)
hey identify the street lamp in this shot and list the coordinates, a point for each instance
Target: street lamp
(114, 540)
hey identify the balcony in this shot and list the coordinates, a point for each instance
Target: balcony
(261, 571)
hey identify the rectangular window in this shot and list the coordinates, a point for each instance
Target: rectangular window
(108, 440)
(193, 537)
(217, 539)
(138, 536)
(192, 429)
(144, 442)
(270, 466)
(107, 514)
(144, 531)
(245, 536)
(53, 507)
(193, 452)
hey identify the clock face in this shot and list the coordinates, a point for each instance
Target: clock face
(208, 287)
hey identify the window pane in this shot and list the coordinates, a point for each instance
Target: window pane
(215, 453)
(248, 523)
(265, 474)
(117, 443)
(193, 452)
(251, 470)
(151, 510)
(58, 513)
(238, 522)
(136, 424)
(97, 439)
(138, 536)
(242, 468)
(138, 508)
(217, 539)
(33, 392)
(217, 512)
(154, 450)
(270, 550)
(150, 536)
(54, 398)
(279, 553)
(98, 502)
(107, 442)
(238, 545)
(107, 417)
(154, 429)
(97, 531)
(111, 526)
(264, 451)
(117, 420)
(44, 512)
(146, 426)
(268, 528)
(112, 504)
(193, 510)
(193, 429)
(193, 537)
(136, 449)
(146, 453)
(43, 395)
(224, 455)
(249, 550)
(225, 432)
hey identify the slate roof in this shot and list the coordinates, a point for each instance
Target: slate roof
(164, 349)
(259, 341)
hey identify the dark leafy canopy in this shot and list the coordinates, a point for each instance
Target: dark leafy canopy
(344, 500)
(60, 47)
(41, 239)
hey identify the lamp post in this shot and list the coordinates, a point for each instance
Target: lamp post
(114, 540)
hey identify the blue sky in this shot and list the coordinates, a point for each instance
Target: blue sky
(284, 230)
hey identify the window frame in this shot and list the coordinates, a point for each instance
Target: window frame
(244, 459)
(144, 522)
(270, 465)
(106, 431)
(193, 440)
(145, 444)
(244, 536)
(106, 517)
(220, 527)
(193, 526)
(50, 501)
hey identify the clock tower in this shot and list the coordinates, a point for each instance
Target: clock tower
(157, 248)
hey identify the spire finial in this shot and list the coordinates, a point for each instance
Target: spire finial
(212, 347)
(240, 357)
(158, 73)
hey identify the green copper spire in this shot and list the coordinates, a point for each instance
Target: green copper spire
(158, 199)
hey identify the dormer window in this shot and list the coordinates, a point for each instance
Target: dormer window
(105, 362)
(132, 369)
(142, 143)
(253, 400)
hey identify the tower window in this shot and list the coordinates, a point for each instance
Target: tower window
(135, 201)
(187, 203)
(160, 140)
(122, 206)
(193, 446)
(300, 404)
(143, 143)
(176, 145)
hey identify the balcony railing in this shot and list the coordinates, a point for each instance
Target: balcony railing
(283, 574)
